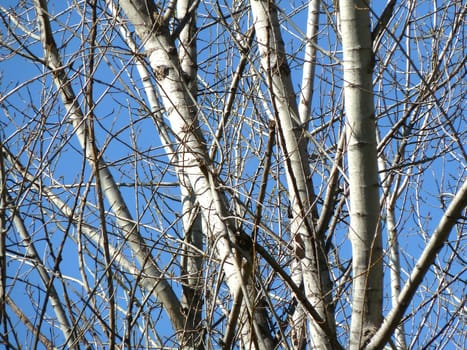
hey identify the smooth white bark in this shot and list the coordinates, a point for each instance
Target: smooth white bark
(192, 299)
(124, 219)
(363, 176)
(299, 324)
(191, 261)
(436, 243)
(193, 161)
(389, 201)
(306, 93)
(293, 144)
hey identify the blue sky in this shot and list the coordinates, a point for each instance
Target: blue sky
(123, 125)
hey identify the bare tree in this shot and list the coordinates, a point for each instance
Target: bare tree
(253, 175)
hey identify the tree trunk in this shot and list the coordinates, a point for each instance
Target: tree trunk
(363, 175)
(162, 289)
(231, 246)
(293, 144)
(191, 260)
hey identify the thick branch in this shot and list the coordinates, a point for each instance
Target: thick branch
(436, 243)
(164, 292)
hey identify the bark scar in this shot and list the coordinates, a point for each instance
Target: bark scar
(161, 72)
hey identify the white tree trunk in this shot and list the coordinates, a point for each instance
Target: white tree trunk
(299, 324)
(194, 164)
(191, 261)
(162, 289)
(306, 93)
(389, 202)
(363, 176)
(294, 146)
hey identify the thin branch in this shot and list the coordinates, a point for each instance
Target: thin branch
(42, 338)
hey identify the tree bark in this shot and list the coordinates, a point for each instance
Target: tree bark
(363, 172)
(293, 144)
(439, 237)
(164, 292)
(191, 260)
(195, 165)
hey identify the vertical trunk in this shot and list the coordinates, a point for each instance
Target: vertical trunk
(395, 268)
(294, 146)
(187, 54)
(230, 245)
(389, 201)
(192, 269)
(306, 94)
(191, 260)
(192, 299)
(298, 321)
(362, 164)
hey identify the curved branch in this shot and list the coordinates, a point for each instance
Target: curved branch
(163, 290)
